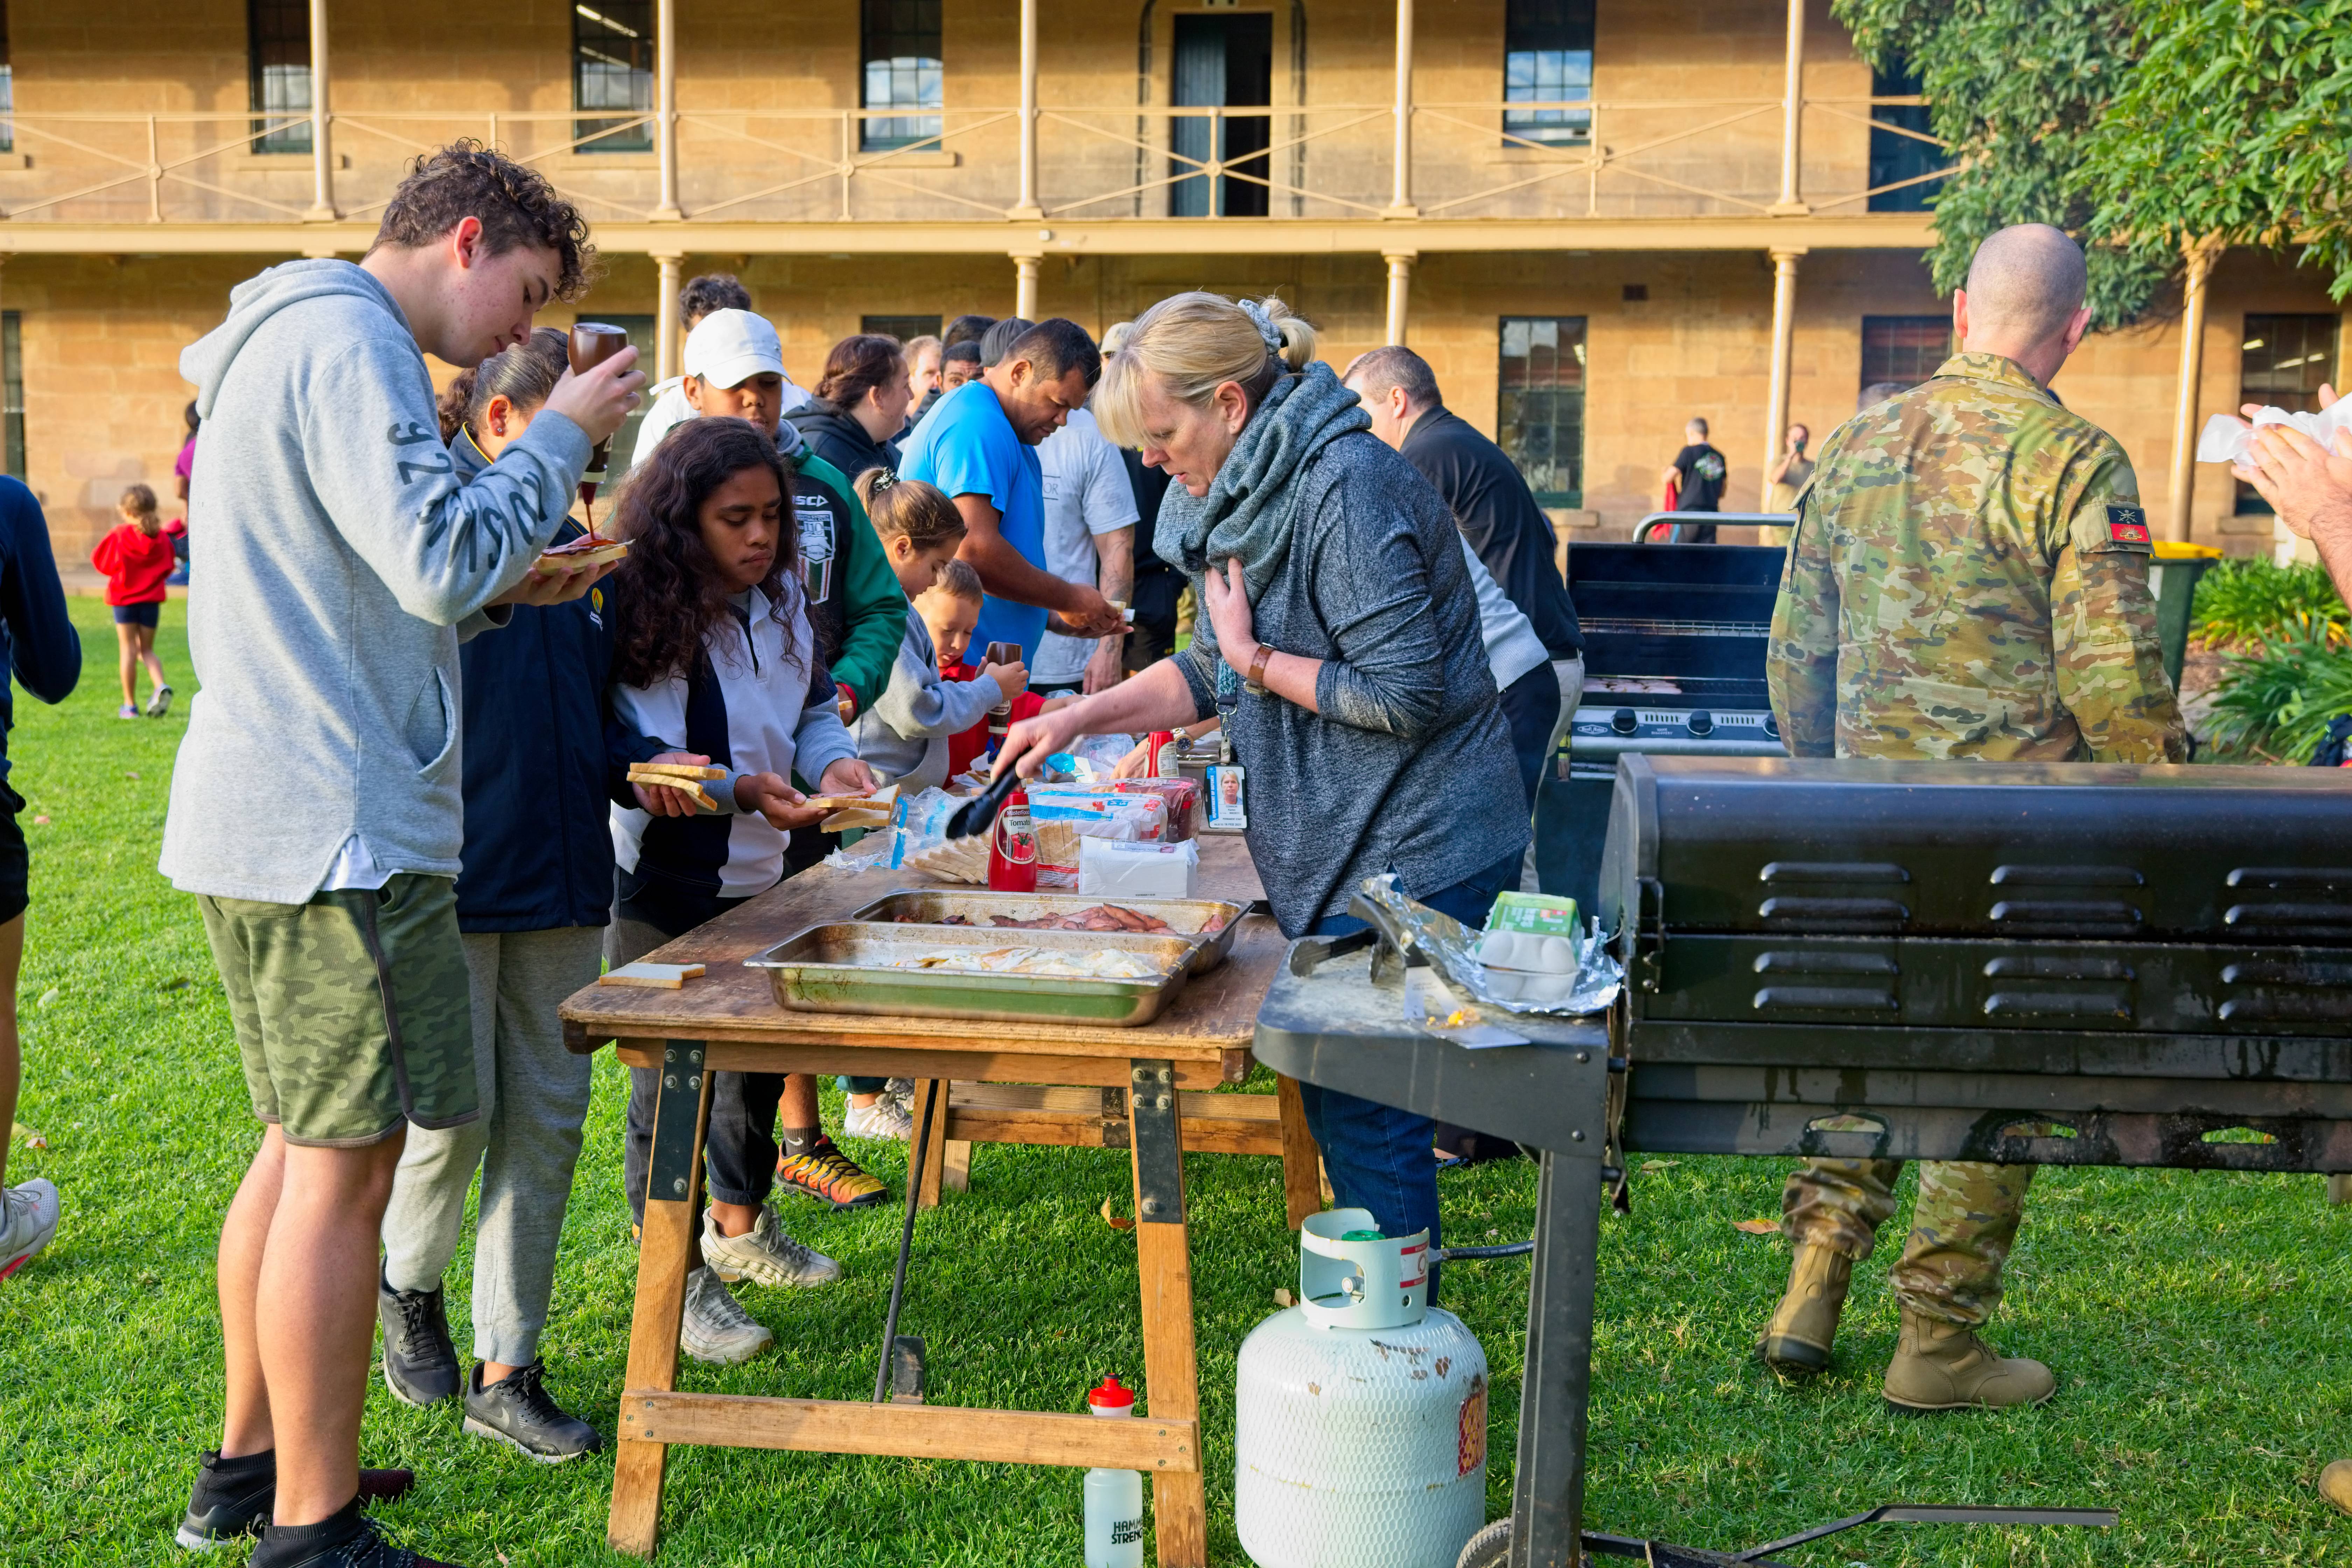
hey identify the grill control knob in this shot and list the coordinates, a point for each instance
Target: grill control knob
(1624, 721)
(1771, 726)
(1702, 723)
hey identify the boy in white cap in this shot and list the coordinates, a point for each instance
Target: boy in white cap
(734, 365)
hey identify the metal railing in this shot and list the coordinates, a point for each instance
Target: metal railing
(1108, 163)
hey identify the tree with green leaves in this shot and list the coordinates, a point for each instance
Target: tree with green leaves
(2141, 127)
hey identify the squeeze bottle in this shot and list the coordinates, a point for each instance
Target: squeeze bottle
(1114, 1497)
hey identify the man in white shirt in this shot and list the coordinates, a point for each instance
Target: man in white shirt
(1090, 520)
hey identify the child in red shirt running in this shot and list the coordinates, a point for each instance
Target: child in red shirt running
(135, 558)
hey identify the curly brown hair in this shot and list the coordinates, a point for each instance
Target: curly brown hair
(514, 203)
(667, 593)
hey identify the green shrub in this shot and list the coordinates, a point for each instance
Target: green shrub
(2245, 604)
(2276, 703)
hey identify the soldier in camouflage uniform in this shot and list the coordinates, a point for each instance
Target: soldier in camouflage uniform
(1968, 579)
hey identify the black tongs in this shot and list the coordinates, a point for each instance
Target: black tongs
(975, 816)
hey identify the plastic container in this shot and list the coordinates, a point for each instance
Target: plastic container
(1012, 847)
(1114, 1497)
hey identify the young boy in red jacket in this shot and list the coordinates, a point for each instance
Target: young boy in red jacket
(135, 558)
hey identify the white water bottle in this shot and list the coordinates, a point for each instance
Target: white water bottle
(1114, 1497)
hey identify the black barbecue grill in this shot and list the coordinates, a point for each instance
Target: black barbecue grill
(2073, 964)
(1673, 665)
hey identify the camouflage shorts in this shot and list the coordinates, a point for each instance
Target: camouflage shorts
(351, 1010)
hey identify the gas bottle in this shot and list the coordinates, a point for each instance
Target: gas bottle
(1360, 1433)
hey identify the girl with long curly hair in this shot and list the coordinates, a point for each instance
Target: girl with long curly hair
(714, 657)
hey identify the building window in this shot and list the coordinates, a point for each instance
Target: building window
(1548, 58)
(1540, 417)
(12, 393)
(1221, 61)
(898, 44)
(613, 69)
(1903, 350)
(2282, 362)
(278, 35)
(905, 328)
(1894, 157)
(7, 86)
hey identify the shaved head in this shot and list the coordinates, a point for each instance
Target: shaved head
(2026, 281)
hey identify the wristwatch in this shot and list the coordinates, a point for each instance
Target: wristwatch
(1255, 682)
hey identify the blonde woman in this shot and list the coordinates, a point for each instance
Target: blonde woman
(1341, 646)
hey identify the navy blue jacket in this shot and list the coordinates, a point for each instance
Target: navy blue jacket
(36, 638)
(539, 847)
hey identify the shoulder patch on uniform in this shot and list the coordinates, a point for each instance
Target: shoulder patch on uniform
(2127, 525)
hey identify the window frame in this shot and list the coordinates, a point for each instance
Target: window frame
(12, 393)
(1926, 326)
(925, 122)
(1548, 127)
(1889, 147)
(601, 130)
(2263, 327)
(884, 324)
(1510, 427)
(290, 31)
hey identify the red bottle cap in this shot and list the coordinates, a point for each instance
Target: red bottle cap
(1110, 1395)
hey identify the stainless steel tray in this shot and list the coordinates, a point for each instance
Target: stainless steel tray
(838, 968)
(1189, 916)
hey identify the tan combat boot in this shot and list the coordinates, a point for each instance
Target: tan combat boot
(2335, 1484)
(1943, 1366)
(1797, 1341)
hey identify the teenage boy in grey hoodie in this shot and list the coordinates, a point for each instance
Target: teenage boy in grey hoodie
(315, 806)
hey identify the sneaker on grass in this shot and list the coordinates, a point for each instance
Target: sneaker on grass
(128, 710)
(420, 1363)
(346, 1538)
(764, 1254)
(716, 1329)
(517, 1410)
(160, 703)
(825, 1173)
(234, 1497)
(886, 1117)
(901, 1089)
(28, 1221)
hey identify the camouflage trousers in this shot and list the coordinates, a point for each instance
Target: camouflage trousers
(1962, 1227)
(353, 1011)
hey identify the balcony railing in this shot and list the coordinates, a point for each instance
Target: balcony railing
(1640, 158)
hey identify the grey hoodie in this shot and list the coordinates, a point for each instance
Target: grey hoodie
(341, 552)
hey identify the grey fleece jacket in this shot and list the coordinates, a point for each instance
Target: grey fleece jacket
(342, 552)
(905, 733)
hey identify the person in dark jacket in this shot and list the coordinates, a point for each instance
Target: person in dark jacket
(1338, 637)
(38, 642)
(1498, 516)
(861, 406)
(533, 902)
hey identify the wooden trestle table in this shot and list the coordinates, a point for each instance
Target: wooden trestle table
(1034, 1083)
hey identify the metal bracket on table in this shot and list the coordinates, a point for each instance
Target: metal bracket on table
(676, 1109)
(1158, 1153)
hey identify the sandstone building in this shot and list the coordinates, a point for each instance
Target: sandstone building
(1595, 217)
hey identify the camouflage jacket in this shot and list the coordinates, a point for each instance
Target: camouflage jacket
(1969, 578)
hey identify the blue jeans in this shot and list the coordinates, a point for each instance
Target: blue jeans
(1378, 1157)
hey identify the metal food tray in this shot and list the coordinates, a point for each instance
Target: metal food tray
(838, 968)
(929, 906)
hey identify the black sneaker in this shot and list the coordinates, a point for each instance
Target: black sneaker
(518, 1410)
(347, 1538)
(233, 1497)
(420, 1365)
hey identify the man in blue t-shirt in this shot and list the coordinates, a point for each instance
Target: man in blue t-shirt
(979, 446)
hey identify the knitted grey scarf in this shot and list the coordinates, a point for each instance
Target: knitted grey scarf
(1252, 503)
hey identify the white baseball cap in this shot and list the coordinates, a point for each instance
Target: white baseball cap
(727, 348)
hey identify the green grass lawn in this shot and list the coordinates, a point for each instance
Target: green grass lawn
(2195, 1320)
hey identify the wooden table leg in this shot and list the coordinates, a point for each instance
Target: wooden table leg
(935, 1159)
(1302, 1188)
(955, 1170)
(1164, 1271)
(666, 1252)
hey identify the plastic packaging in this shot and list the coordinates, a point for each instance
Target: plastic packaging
(1114, 1499)
(1453, 948)
(1109, 869)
